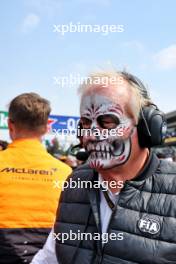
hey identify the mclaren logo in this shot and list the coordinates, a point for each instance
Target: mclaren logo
(29, 171)
(148, 225)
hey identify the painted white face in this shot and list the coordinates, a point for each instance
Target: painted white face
(100, 113)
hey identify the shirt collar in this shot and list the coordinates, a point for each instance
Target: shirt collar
(150, 167)
(101, 180)
(26, 143)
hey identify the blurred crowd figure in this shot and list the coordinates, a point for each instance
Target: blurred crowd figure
(168, 153)
(3, 145)
(72, 159)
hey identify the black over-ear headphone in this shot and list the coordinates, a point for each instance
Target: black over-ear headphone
(152, 125)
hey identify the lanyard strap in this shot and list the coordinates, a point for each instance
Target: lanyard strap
(108, 200)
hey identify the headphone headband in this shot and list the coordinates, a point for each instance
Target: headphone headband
(132, 78)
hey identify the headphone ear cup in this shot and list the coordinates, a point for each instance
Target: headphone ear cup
(152, 127)
(158, 128)
(143, 135)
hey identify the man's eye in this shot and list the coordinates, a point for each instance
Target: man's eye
(108, 121)
(86, 123)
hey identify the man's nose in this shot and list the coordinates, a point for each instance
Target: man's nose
(93, 126)
(95, 131)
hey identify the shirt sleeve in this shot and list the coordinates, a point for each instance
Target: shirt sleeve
(47, 254)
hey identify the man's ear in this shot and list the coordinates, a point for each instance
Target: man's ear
(45, 129)
(11, 127)
(10, 124)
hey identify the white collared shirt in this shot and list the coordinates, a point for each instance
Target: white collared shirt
(105, 210)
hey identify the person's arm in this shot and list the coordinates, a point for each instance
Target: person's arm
(46, 255)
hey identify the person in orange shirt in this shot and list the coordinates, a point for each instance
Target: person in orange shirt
(28, 197)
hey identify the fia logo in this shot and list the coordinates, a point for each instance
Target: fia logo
(148, 225)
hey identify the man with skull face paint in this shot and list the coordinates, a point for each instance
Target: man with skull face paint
(114, 107)
(143, 209)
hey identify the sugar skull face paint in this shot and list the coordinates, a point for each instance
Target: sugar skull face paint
(98, 113)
